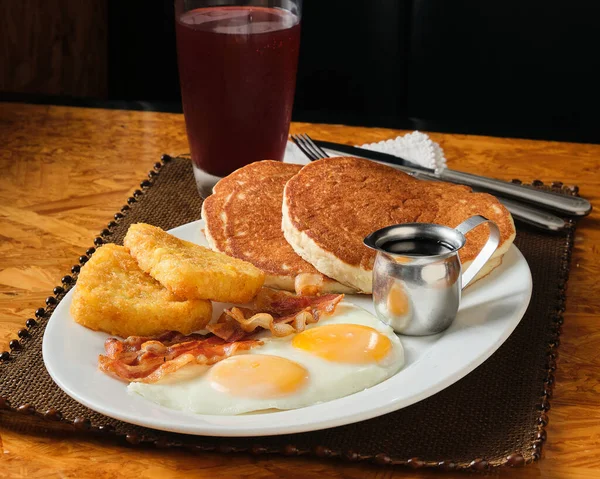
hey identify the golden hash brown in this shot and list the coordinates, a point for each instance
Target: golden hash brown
(190, 270)
(115, 296)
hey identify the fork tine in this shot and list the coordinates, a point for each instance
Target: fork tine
(309, 145)
(320, 151)
(307, 152)
(314, 154)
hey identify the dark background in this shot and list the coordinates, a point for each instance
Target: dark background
(506, 68)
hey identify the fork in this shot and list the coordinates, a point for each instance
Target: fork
(533, 216)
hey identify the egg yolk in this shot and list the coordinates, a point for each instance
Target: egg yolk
(258, 376)
(344, 343)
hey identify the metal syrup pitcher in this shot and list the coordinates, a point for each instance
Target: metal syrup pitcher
(417, 275)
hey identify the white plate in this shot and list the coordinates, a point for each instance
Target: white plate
(490, 311)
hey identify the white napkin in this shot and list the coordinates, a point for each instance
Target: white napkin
(416, 147)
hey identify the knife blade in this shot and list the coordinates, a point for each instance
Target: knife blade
(568, 205)
(528, 214)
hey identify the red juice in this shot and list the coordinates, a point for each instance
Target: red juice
(237, 69)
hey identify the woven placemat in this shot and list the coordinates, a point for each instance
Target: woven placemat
(494, 416)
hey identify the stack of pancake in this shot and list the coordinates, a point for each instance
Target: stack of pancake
(304, 225)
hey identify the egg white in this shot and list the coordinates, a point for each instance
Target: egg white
(189, 389)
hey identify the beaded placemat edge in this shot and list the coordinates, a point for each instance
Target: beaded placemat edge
(53, 419)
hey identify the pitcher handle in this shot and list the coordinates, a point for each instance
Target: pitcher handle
(488, 248)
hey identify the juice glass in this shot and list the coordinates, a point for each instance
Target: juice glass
(237, 69)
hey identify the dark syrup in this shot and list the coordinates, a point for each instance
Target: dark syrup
(417, 247)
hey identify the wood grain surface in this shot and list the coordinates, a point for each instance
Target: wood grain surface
(66, 171)
(54, 47)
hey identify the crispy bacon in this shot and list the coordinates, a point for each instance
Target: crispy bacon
(142, 359)
(308, 284)
(278, 311)
(146, 359)
(282, 303)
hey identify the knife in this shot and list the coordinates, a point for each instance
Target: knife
(523, 212)
(569, 205)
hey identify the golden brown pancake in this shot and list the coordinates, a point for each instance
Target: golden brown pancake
(243, 220)
(332, 204)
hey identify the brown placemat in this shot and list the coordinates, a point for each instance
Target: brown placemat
(494, 416)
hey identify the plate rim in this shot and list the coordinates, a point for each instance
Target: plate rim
(275, 427)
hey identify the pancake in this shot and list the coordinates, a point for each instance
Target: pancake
(332, 204)
(243, 220)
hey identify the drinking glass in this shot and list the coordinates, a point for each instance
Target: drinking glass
(237, 69)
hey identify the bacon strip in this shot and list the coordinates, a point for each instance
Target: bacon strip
(282, 303)
(147, 360)
(278, 311)
(309, 284)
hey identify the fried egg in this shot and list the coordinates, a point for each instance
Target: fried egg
(342, 354)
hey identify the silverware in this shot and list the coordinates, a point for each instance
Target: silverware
(568, 205)
(417, 275)
(528, 214)
(524, 212)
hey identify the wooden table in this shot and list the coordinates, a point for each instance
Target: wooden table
(65, 171)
